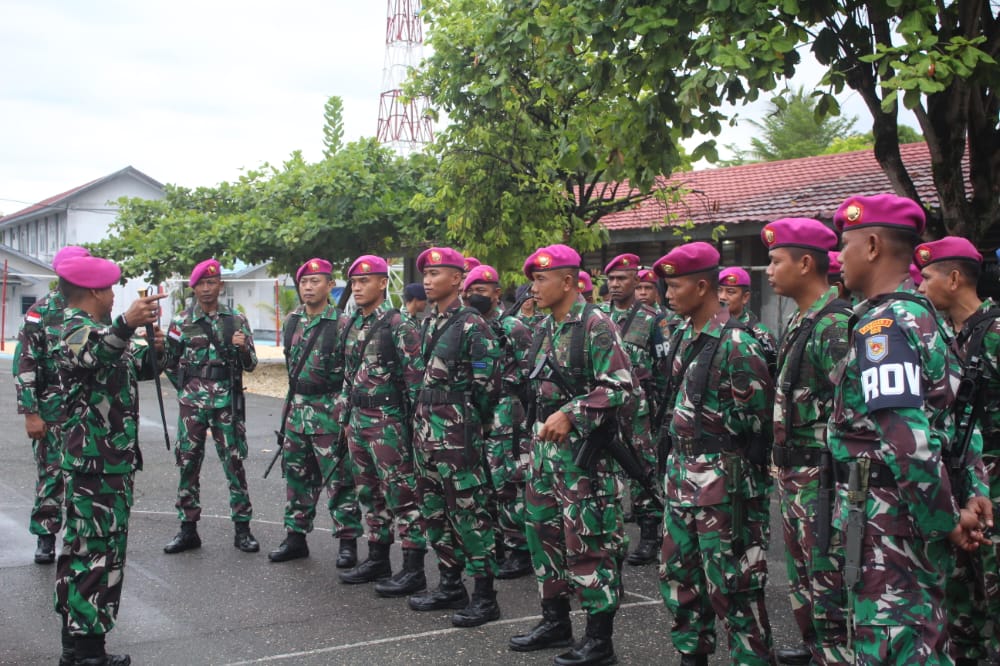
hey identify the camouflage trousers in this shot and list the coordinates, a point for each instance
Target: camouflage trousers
(193, 424)
(454, 508)
(307, 461)
(972, 594)
(897, 606)
(91, 565)
(636, 428)
(508, 461)
(815, 578)
(384, 480)
(702, 576)
(574, 521)
(47, 513)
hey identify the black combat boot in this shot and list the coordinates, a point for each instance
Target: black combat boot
(966, 661)
(376, 567)
(244, 539)
(409, 580)
(292, 548)
(482, 607)
(89, 651)
(694, 659)
(596, 648)
(186, 539)
(450, 592)
(796, 656)
(347, 554)
(45, 551)
(517, 564)
(649, 542)
(554, 631)
(68, 654)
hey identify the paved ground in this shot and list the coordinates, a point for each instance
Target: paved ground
(217, 605)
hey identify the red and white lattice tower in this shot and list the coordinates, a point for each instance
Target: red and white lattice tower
(402, 124)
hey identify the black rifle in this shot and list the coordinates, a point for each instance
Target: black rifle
(603, 440)
(154, 359)
(516, 306)
(967, 405)
(824, 505)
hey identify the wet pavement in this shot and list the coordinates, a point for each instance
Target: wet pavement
(217, 605)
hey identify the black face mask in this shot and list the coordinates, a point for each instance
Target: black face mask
(481, 303)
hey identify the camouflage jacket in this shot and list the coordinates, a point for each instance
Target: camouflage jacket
(189, 352)
(605, 381)
(36, 373)
(762, 333)
(638, 343)
(515, 339)
(463, 360)
(100, 366)
(893, 404)
(375, 375)
(989, 407)
(807, 408)
(321, 409)
(736, 406)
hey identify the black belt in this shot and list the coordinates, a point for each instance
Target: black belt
(206, 372)
(311, 388)
(879, 475)
(702, 445)
(368, 401)
(785, 456)
(439, 397)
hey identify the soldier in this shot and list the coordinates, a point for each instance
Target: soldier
(647, 291)
(815, 341)
(382, 372)
(734, 293)
(586, 286)
(470, 263)
(209, 346)
(574, 523)
(41, 400)
(456, 400)
(99, 367)
(414, 301)
(637, 325)
(718, 407)
(314, 454)
(891, 420)
(951, 269)
(507, 446)
(528, 313)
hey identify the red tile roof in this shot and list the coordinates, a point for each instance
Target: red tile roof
(764, 191)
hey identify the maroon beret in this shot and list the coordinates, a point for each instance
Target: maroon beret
(207, 268)
(481, 273)
(697, 257)
(314, 266)
(881, 210)
(368, 264)
(801, 232)
(68, 252)
(623, 262)
(550, 258)
(734, 277)
(949, 248)
(440, 257)
(89, 272)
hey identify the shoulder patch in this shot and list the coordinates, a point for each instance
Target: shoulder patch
(603, 340)
(890, 369)
(32, 317)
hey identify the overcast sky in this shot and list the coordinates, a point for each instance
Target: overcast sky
(187, 92)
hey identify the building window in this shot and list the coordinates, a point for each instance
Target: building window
(26, 303)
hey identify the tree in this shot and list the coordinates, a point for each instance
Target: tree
(531, 156)
(333, 129)
(356, 201)
(792, 129)
(939, 58)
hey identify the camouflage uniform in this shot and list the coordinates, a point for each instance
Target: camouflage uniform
(716, 470)
(573, 517)
(457, 397)
(38, 392)
(313, 430)
(99, 368)
(198, 370)
(892, 407)
(972, 594)
(638, 342)
(378, 432)
(815, 576)
(761, 333)
(507, 445)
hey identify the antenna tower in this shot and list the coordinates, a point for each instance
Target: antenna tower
(402, 124)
